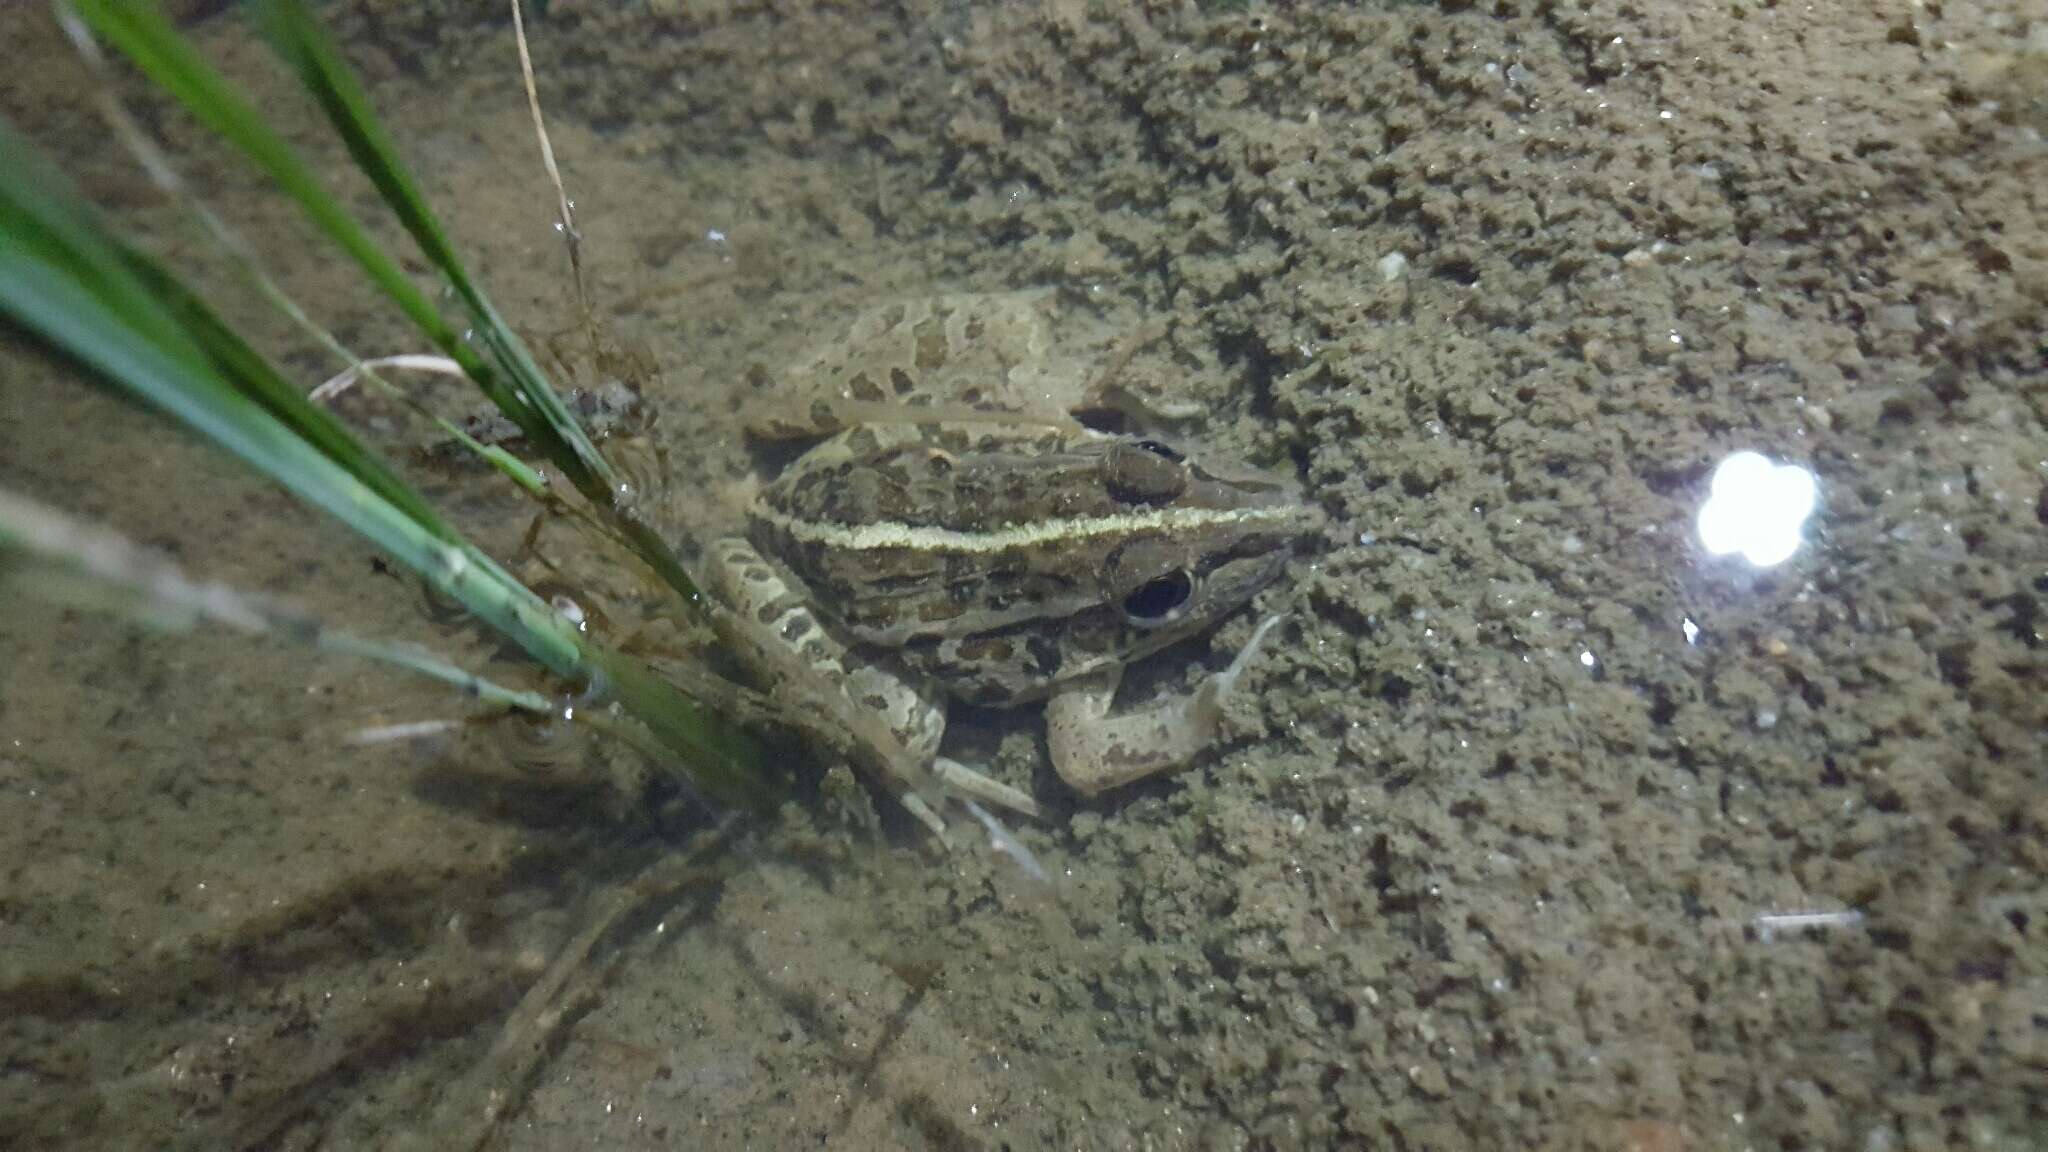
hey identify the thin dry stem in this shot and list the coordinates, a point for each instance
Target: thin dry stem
(565, 211)
(341, 381)
(398, 733)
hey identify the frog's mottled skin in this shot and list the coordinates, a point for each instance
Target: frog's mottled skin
(947, 546)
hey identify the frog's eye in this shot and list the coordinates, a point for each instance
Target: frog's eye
(1143, 472)
(1155, 601)
(1162, 450)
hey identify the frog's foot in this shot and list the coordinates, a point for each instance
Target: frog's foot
(1093, 750)
(1107, 391)
(915, 805)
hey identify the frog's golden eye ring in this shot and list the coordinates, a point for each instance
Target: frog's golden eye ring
(1158, 601)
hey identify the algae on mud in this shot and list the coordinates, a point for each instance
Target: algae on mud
(1456, 889)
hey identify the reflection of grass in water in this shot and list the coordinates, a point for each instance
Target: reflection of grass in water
(69, 278)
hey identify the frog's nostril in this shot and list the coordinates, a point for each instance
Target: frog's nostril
(1156, 600)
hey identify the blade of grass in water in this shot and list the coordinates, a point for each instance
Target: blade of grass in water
(67, 561)
(163, 173)
(64, 278)
(305, 49)
(311, 55)
(509, 376)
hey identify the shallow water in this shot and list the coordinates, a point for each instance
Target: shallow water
(1492, 857)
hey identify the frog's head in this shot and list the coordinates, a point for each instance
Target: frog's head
(1200, 538)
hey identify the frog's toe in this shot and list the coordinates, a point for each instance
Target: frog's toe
(915, 805)
(1224, 683)
(965, 781)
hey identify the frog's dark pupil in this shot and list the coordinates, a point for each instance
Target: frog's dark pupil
(1161, 450)
(1158, 597)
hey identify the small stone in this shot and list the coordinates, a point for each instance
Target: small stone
(1392, 266)
(1084, 257)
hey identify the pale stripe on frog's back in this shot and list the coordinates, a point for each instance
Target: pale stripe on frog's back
(999, 560)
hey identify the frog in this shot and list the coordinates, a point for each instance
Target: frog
(951, 530)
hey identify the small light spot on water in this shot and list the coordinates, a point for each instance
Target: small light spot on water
(1757, 508)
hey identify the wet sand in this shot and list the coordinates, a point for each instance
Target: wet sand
(1483, 864)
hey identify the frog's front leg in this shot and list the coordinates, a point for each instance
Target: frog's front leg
(1093, 751)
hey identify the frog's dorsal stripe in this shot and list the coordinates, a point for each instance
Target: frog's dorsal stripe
(887, 535)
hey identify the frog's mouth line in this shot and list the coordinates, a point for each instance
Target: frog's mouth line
(889, 534)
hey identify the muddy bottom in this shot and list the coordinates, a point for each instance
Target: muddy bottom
(1500, 846)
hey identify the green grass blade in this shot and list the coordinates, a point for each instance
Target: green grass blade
(306, 50)
(164, 174)
(508, 375)
(66, 281)
(126, 336)
(42, 209)
(259, 382)
(142, 34)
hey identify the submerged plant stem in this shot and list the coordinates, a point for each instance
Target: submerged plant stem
(71, 562)
(565, 210)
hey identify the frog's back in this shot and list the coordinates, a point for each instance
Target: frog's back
(999, 560)
(909, 530)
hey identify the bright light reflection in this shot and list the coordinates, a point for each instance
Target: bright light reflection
(1757, 508)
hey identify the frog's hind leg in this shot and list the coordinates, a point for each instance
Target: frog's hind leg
(1094, 751)
(860, 710)
(956, 359)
